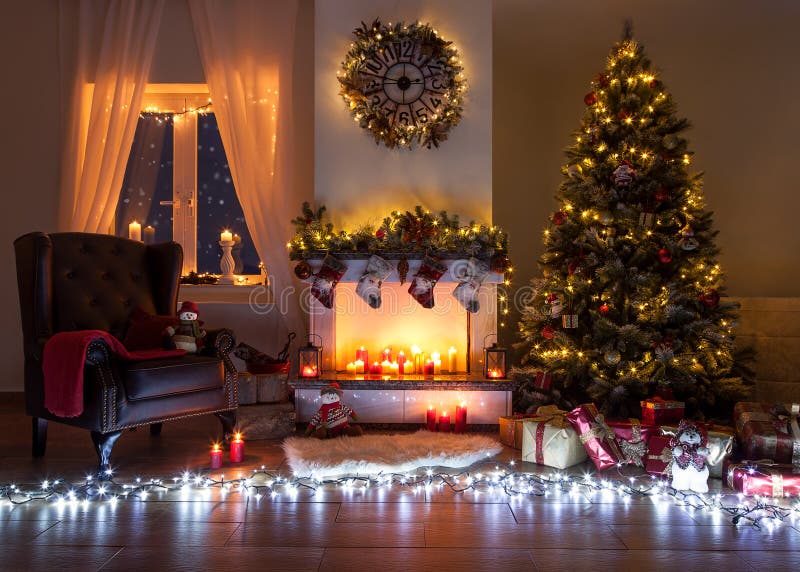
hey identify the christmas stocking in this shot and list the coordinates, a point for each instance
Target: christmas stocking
(369, 285)
(326, 279)
(470, 277)
(429, 272)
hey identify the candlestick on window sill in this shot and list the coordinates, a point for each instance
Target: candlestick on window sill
(226, 263)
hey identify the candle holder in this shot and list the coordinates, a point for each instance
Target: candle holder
(494, 361)
(309, 359)
(226, 263)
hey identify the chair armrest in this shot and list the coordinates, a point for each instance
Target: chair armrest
(218, 343)
(98, 353)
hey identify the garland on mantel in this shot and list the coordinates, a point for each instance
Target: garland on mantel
(411, 234)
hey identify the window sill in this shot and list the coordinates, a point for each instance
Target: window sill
(255, 294)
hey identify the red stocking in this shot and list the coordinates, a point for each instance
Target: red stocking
(326, 279)
(421, 288)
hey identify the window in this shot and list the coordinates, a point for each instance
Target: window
(178, 185)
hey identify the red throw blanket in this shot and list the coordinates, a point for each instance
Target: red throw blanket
(64, 356)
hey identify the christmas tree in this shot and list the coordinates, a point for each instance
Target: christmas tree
(629, 304)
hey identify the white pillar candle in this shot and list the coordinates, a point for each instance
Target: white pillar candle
(452, 360)
(135, 231)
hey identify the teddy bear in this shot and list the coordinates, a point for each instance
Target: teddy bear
(331, 420)
(689, 452)
(187, 335)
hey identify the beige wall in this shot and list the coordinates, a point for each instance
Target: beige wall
(730, 64)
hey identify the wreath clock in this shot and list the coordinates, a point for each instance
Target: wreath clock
(403, 83)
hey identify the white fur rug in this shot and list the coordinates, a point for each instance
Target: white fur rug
(372, 454)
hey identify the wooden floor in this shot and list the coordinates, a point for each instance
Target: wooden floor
(386, 530)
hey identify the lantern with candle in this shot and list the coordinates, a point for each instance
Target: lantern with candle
(309, 359)
(494, 361)
(237, 448)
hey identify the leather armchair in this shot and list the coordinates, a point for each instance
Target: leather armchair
(81, 281)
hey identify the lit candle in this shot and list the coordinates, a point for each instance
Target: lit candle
(401, 359)
(226, 236)
(415, 354)
(386, 367)
(437, 363)
(351, 367)
(394, 368)
(408, 368)
(430, 419)
(237, 448)
(428, 368)
(359, 366)
(444, 422)
(461, 417)
(495, 373)
(452, 360)
(309, 371)
(376, 368)
(216, 456)
(135, 231)
(362, 354)
(149, 235)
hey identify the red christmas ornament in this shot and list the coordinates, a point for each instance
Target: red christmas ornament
(552, 298)
(604, 309)
(574, 267)
(500, 262)
(548, 332)
(623, 114)
(380, 234)
(654, 83)
(602, 80)
(662, 194)
(559, 218)
(590, 98)
(303, 270)
(710, 299)
(664, 255)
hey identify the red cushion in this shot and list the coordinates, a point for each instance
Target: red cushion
(146, 331)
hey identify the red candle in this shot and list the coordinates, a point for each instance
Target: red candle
(429, 367)
(401, 360)
(430, 420)
(216, 456)
(444, 423)
(237, 449)
(387, 354)
(376, 368)
(461, 417)
(362, 354)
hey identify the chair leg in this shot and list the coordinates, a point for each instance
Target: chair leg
(155, 429)
(39, 435)
(103, 443)
(228, 420)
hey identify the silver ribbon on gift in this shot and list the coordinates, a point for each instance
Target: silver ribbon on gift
(635, 449)
(598, 429)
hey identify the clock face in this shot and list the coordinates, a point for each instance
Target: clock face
(404, 84)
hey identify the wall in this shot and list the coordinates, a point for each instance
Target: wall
(360, 181)
(730, 66)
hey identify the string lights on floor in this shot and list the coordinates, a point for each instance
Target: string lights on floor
(487, 477)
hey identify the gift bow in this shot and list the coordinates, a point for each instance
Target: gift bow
(635, 449)
(551, 415)
(598, 429)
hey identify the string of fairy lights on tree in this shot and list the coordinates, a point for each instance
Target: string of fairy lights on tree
(488, 477)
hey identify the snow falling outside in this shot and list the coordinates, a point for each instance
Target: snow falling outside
(148, 182)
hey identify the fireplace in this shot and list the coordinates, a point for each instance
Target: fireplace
(401, 324)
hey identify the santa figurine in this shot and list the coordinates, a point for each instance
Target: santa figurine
(331, 420)
(187, 335)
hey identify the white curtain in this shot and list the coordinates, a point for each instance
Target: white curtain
(106, 47)
(247, 51)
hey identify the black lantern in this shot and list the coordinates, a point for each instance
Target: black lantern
(309, 360)
(494, 361)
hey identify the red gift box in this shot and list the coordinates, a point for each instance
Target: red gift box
(764, 478)
(768, 431)
(659, 455)
(633, 438)
(658, 411)
(597, 437)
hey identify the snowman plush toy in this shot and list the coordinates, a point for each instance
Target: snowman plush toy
(689, 451)
(332, 418)
(187, 335)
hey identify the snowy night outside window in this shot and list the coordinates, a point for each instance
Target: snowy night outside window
(178, 182)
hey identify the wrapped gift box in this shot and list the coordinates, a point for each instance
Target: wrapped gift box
(768, 431)
(597, 437)
(633, 437)
(657, 411)
(511, 429)
(766, 479)
(549, 439)
(720, 443)
(659, 456)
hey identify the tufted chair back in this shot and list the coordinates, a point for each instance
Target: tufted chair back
(81, 281)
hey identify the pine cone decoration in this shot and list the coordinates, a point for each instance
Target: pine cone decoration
(402, 270)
